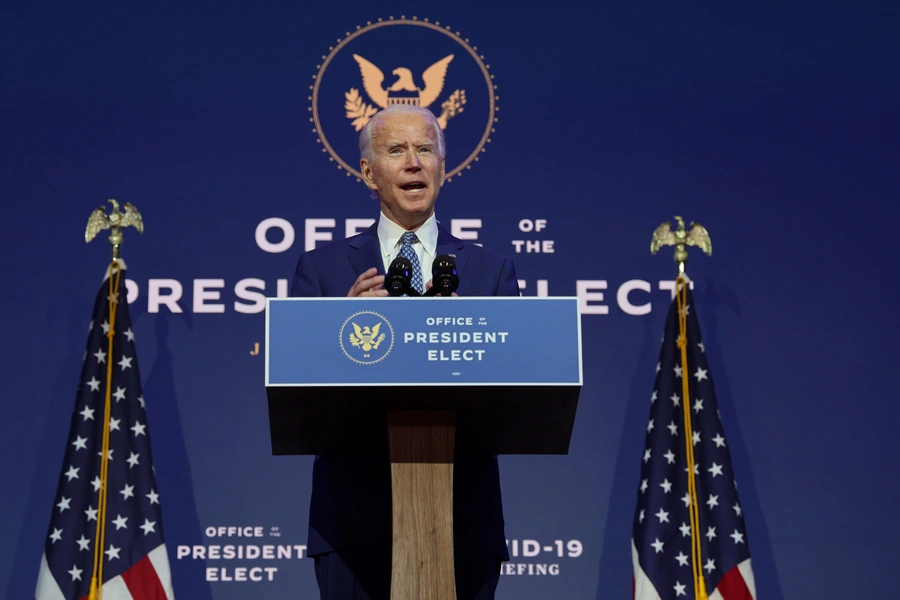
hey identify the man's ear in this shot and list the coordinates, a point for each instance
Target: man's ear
(368, 177)
(443, 163)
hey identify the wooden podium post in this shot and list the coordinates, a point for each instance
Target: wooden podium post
(421, 448)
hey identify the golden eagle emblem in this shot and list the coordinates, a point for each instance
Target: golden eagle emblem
(115, 220)
(366, 338)
(401, 91)
(681, 237)
(99, 220)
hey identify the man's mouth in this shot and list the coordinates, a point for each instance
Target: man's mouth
(413, 187)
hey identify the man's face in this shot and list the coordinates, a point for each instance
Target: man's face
(406, 170)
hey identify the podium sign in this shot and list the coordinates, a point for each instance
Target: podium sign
(422, 341)
(510, 369)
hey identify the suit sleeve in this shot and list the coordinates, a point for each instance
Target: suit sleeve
(508, 284)
(306, 281)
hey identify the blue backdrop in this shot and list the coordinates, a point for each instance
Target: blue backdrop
(774, 125)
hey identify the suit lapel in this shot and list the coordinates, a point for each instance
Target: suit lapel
(447, 244)
(366, 251)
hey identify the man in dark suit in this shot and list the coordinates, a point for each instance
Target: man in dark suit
(403, 156)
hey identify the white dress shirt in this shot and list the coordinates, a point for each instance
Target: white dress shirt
(389, 234)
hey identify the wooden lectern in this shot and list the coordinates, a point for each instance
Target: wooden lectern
(421, 426)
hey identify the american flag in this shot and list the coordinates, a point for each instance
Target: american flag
(135, 563)
(661, 535)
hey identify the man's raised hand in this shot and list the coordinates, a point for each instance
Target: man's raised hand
(369, 284)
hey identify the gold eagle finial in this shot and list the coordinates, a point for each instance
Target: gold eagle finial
(115, 220)
(681, 237)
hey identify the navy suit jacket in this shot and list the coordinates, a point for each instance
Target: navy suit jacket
(351, 495)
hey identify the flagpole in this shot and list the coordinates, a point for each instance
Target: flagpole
(97, 222)
(680, 238)
(705, 555)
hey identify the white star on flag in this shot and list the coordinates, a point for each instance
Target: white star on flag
(148, 526)
(138, 429)
(112, 553)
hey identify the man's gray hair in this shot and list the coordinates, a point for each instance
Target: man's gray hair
(366, 136)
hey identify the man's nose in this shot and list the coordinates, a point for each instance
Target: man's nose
(412, 162)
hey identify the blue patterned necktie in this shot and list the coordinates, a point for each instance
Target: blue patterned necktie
(407, 252)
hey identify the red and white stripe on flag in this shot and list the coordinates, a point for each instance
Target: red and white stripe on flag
(148, 579)
(737, 584)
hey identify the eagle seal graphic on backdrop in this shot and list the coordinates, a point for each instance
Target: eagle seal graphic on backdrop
(365, 337)
(401, 91)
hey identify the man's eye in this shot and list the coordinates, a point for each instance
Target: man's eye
(426, 150)
(394, 151)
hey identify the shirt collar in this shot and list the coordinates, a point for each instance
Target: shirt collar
(389, 234)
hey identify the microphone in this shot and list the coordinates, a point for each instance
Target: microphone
(444, 278)
(398, 280)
